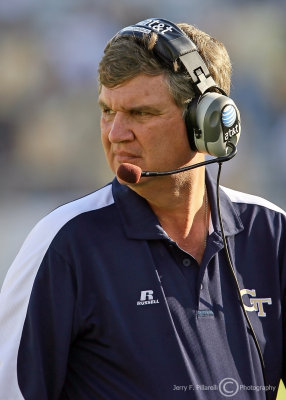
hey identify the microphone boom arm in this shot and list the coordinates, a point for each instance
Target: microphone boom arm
(206, 162)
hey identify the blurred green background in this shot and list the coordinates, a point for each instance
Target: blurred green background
(50, 150)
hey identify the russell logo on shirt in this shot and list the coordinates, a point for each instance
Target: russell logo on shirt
(147, 297)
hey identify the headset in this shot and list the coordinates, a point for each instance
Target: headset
(212, 118)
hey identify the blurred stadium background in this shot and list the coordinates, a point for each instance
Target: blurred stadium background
(50, 150)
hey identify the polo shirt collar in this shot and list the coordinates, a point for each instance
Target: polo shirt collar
(140, 222)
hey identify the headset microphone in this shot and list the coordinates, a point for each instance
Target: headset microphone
(131, 173)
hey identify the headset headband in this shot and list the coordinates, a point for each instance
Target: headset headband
(173, 44)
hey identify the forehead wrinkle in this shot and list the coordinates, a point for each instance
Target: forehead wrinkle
(125, 97)
(139, 107)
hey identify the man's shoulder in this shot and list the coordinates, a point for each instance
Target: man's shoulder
(97, 200)
(45, 231)
(249, 199)
(48, 227)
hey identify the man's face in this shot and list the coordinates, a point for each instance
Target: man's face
(142, 125)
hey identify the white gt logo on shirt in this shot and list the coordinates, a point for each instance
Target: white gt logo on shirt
(256, 304)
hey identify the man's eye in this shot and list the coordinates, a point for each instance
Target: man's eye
(107, 111)
(140, 113)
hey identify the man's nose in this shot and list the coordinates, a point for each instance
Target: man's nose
(121, 129)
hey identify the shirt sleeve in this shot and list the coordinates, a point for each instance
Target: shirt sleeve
(37, 303)
(48, 330)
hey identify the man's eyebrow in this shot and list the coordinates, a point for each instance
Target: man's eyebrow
(142, 108)
(145, 108)
(102, 104)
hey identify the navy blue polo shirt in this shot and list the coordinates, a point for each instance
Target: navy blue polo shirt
(101, 304)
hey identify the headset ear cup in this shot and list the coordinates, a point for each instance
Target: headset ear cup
(218, 123)
(191, 122)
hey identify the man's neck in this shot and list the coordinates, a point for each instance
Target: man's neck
(181, 205)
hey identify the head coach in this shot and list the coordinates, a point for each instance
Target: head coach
(162, 284)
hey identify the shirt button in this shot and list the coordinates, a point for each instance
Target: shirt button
(186, 262)
(202, 286)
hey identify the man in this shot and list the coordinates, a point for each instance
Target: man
(127, 293)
